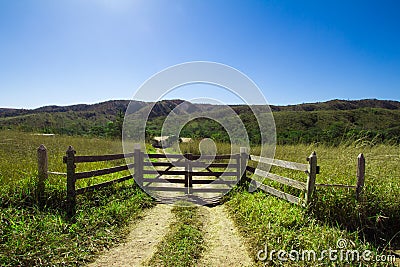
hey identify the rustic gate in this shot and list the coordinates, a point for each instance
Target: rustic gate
(197, 178)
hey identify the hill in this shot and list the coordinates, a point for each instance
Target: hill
(334, 121)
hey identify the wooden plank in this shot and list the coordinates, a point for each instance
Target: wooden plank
(101, 185)
(164, 180)
(210, 190)
(163, 156)
(277, 193)
(193, 173)
(281, 179)
(79, 159)
(89, 174)
(164, 172)
(227, 182)
(281, 163)
(194, 164)
(162, 164)
(216, 156)
(216, 174)
(182, 181)
(168, 189)
(336, 185)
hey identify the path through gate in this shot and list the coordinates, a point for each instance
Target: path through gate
(202, 179)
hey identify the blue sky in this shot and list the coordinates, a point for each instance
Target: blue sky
(87, 51)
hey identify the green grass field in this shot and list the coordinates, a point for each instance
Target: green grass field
(33, 236)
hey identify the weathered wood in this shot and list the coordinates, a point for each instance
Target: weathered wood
(312, 174)
(182, 181)
(277, 193)
(210, 190)
(170, 189)
(42, 173)
(138, 159)
(216, 157)
(90, 174)
(244, 156)
(281, 179)
(71, 180)
(79, 159)
(203, 181)
(188, 170)
(193, 164)
(164, 180)
(281, 163)
(335, 185)
(101, 185)
(360, 175)
(192, 173)
(163, 156)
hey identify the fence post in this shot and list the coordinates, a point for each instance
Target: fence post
(138, 164)
(244, 156)
(189, 170)
(42, 173)
(312, 174)
(360, 174)
(71, 180)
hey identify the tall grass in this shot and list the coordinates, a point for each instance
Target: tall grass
(372, 221)
(33, 236)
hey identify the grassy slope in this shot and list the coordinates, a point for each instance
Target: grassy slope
(329, 122)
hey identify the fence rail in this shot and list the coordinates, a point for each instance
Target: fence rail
(237, 167)
(310, 169)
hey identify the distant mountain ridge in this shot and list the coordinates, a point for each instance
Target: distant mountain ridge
(165, 106)
(330, 122)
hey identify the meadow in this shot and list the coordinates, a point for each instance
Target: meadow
(43, 236)
(33, 236)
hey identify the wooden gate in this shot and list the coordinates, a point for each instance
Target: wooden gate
(201, 179)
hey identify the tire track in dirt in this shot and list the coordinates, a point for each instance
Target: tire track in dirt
(224, 246)
(142, 240)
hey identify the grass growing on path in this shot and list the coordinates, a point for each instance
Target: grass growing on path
(184, 244)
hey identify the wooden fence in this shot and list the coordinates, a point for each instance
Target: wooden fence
(190, 167)
(311, 170)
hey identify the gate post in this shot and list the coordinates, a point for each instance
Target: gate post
(244, 156)
(138, 164)
(188, 172)
(71, 180)
(312, 175)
